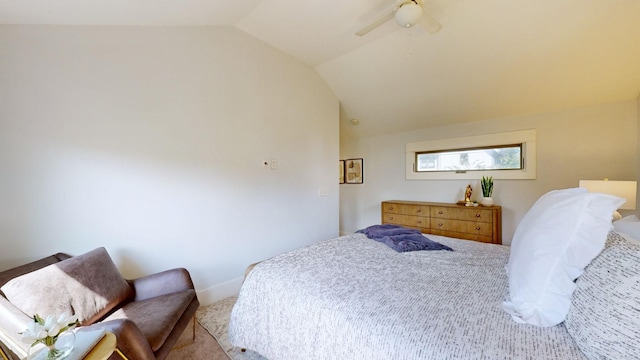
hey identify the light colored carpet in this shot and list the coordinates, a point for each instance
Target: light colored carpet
(202, 347)
(215, 318)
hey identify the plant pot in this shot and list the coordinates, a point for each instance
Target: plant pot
(487, 201)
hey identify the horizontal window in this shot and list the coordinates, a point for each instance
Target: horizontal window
(499, 157)
(508, 155)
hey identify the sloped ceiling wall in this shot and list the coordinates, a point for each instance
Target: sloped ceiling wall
(492, 58)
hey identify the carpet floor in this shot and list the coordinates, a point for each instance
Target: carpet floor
(203, 347)
(215, 318)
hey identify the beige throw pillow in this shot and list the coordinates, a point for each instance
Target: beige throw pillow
(88, 285)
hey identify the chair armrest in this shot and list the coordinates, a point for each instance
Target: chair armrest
(130, 340)
(162, 283)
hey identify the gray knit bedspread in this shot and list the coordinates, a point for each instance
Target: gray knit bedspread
(355, 298)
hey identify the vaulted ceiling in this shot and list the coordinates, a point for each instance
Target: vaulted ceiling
(491, 59)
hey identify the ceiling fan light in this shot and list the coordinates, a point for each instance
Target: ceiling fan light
(408, 14)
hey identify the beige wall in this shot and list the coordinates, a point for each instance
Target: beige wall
(638, 159)
(150, 142)
(595, 142)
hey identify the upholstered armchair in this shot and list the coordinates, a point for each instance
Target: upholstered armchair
(147, 314)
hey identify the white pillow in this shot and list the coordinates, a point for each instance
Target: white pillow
(629, 226)
(561, 233)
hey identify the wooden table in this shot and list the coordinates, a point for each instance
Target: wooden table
(103, 349)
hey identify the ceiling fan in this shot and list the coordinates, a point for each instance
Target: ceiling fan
(407, 13)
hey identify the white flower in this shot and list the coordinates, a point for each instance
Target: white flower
(51, 326)
(46, 330)
(68, 320)
(34, 333)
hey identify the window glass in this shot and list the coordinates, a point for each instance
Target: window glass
(502, 157)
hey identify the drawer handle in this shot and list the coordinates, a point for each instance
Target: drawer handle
(390, 217)
(419, 222)
(419, 210)
(390, 207)
(440, 212)
(440, 224)
(477, 227)
(477, 215)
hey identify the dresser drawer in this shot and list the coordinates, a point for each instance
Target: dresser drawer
(466, 213)
(452, 220)
(461, 226)
(406, 220)
(465, 236)
(405, 209)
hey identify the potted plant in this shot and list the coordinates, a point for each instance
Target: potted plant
(487, 190)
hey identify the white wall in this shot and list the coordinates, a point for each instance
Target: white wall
(150, 142)
(584, 143)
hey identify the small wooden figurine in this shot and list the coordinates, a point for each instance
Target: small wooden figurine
(467, 194)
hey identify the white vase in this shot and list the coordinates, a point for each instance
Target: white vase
(487, 201)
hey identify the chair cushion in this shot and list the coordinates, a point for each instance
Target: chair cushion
(88, 285)
(156, 317)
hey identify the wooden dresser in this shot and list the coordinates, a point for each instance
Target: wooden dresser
(478, 223)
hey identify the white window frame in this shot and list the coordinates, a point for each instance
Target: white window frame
(525, 137)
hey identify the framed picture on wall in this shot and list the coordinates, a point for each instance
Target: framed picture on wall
(354, 170)
(341, 166)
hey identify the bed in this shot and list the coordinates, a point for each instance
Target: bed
(355, 298)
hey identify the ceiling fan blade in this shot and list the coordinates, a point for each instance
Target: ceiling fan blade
(376, 23)
(430, 24)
